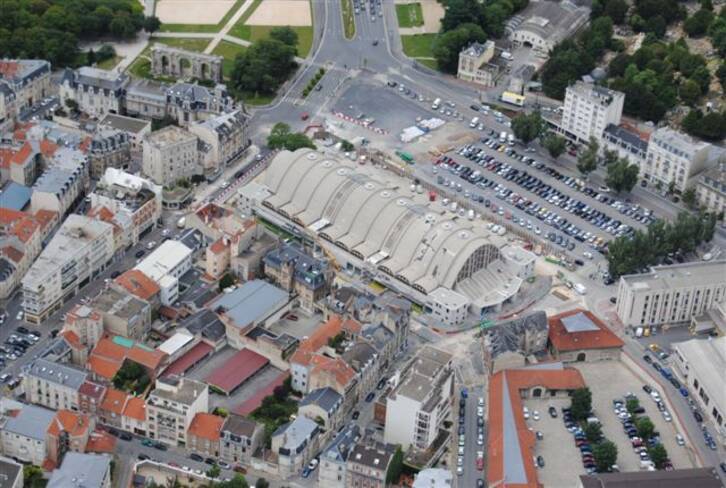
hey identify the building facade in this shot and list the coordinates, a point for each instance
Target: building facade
(421, 401)
(53, 385)
(295, 443)
(23, 433)
(23, 83)
(171, 154)
(96, 91)
(240, 438)
(172, 406)
(670, 294)
(62, 183)
(227, 137)
(589, 109)
(109, 149)
(675, 158)
(368, 464)
(711, 191)
(476, 66)
(78, 252)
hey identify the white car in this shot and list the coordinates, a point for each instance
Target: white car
(460, 461)
(460, 470)
(525, 411)
(19, 316)
(151, 245)
(667, 416)
(480, 440)
(655, 396)
(535, 415)
(480, 411)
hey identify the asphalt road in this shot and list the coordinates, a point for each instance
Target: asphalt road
(471, 446)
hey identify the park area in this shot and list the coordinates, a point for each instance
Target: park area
(420, 48)
(261, 17)
(409, 15)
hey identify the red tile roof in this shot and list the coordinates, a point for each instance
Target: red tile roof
(48, 148)
(137, 283)
(45, 217)
(515, 380)
(115, 401)
(92, 390)
(206, 426)
(8, 216)
(105, 368)
(251, 404)
(100, 441)
(336, 368)
(12, 253)
(25, 227)
(188, 359)
(136, 409)
(237, 369)
(318, 339)
(107, 357)
(218, 246)
(562, 340)
(22, 155)
(74, 423)
(72, 339)
(9, 69)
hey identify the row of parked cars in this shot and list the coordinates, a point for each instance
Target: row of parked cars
(628, 419)
(17, 344)
(583, 445)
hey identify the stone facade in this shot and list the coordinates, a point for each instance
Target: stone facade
(180, 63)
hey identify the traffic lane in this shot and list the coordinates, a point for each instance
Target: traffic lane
(694, 434)
(471, 473)
(425, 172)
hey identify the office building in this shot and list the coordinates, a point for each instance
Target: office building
(589, 109)
(421, 401)
(671, 294)
(171, 407)
(123, 314)
(78, 252)
(171, 154)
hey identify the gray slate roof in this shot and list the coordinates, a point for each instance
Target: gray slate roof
(60, 374)
(326, 398)
(32, 422)
(250, 303)
(80, 471)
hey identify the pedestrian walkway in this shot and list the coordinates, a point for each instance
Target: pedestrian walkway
(228, 26)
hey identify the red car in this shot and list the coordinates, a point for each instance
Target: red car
(480, 463)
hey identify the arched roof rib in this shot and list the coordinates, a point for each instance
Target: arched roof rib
(425, 247)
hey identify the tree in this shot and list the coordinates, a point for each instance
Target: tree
(711, 126)
(581, 403)
(587, 161)
(346, 146)
(152, 24)
(593, 432)
(609, 157)
(659, 455)
(90, 57)
(447, 46)
(214, 471)
(621, 175)
(281, 138)
(689, 197)
(226, 281)
(690, 92)
(238, 481)
(285, 35)
(33, 477)
(122, 26)
(567, 63)
(555, 145)
(263, 67)
(616, 10)
(632, 404)
(698, 23)
(645, 428)
(527, 127)
(395, 467)
(460, 12)
(606, 454)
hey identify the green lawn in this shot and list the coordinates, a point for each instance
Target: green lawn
(110, 63)
(256, 99)
(431, 63)
(203, 27)
(256, 32)
(418, 45)
(241, 30)
(188, 43)
(141, 67)
(228, 51)
(409, 15)
(348, 18)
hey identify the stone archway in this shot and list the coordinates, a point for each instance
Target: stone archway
(537, 392)
(180, 63)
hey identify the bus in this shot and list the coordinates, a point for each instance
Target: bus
(513, 98)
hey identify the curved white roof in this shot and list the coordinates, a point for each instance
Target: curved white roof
(424, 246)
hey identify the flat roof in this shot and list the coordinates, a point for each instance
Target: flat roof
(10, 471)
(700, 273)
(165, 258)
(678, 478)
(175, 342)
(250, 303)
(123, 123)
(15, 196)
(236, 370)
(80, 470)
(706, 359)
(32, 422)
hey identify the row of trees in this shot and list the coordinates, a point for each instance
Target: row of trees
(267, 64)
(281, 137)
(649, 247)
(51, 29)
(646, 430)
(711, 126)
(604, 451)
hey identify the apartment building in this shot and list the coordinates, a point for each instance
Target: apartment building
(77, 253)
(86, 323)
(53, 385)
(135, 129)
(23, 83)
(674, 157)
(295, 443)
(421, 400)
(60, 185)
(165, 266)
(68, 432)
(96, 91)
(477, 64)
(227, 137)
(171, 154)
(23, 431)
(82, 471)
(171, 407)
(21, 237)
(109, 149)
(204, 434)
(671, 294)
(122, 313)
(333, 461)
(627, 143)
(324, 405)
(368, 464)
(711, 191)
(293, 270)
(239, 439)
(137, 198)
(589, 109)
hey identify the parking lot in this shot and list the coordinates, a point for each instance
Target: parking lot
(490, 172)
(611, 380)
